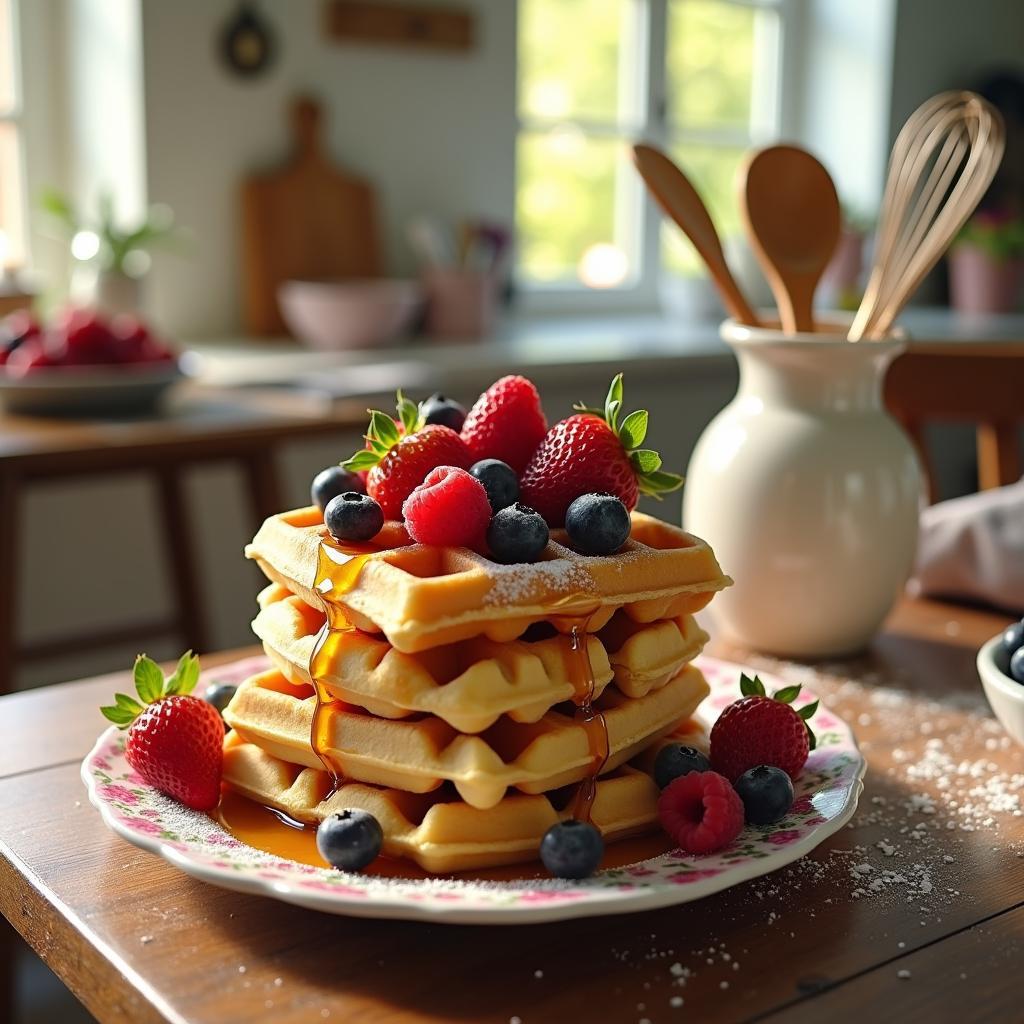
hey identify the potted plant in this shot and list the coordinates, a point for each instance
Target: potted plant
(111, 258)
(986, 264)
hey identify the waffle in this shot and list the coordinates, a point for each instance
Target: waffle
(437, 831)
(420, 754)
(472, 683)
(421, 597)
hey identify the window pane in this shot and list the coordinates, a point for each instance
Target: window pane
(8, 95)
(575, 207)
(12, 238)
(579, 60)
(715, 53)
(712, 169)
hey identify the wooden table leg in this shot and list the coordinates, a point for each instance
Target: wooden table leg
(8, 580)
(183, 561)
(264, 488)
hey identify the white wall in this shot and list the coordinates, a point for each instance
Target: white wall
(433, 132)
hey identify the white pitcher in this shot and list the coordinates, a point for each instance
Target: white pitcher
(808, 491)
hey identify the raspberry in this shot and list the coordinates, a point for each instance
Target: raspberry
(701, 812)
(755, 731)
(449, 509)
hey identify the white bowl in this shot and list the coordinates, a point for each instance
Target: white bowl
(335, 315)
(1005, 697)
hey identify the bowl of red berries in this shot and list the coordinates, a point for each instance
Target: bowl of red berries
(82, 363)
(1001, 667)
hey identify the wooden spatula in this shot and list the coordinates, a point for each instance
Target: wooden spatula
(680, 200)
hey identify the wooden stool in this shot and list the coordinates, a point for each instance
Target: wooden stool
(244, 430)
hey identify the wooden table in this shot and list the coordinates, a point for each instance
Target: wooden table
(199, 426)
(138, 941)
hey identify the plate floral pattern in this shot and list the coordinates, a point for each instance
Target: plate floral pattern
(827, 793)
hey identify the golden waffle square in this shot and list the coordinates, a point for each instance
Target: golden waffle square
(418, 755)
(420, 596)
(472, 683)
(435, 830)
(469, 684)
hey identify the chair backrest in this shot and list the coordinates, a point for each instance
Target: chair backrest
(979, 382)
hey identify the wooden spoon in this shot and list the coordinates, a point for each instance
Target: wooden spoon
(679, 199)
(791, 211)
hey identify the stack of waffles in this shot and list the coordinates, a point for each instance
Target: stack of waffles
(468, 705)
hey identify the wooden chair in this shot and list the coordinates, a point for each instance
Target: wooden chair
(981, 383)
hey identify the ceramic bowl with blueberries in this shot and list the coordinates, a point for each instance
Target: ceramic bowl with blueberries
(1001, 667)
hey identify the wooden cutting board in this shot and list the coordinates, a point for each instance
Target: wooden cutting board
(306, 220)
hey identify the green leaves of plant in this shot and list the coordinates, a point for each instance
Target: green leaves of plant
(786, 695)
(151, 686)
(634, 430)
(383, 434)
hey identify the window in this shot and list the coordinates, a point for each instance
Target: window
(699, 78)
(12, 199)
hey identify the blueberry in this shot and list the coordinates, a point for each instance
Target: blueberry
(350, 839)
(517, 534)
(1013, 638)
(331, 482)
(766, 792)
(219, 695)
(1017, 665)
(353, 516)
(674, 761)
(499, 480)
(572, 849)
(445, 411)
(597, 524)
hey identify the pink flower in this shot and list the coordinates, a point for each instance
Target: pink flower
(785, 837)
(135, 779)
(149, 812)
(143, 825)
(802, 805)
(548, 895)
(824, 721)
(686, 877)
(341, 890)
(102, 763)
(816, 820)
(120, 793)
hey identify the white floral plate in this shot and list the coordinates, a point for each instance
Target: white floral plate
(827, 794)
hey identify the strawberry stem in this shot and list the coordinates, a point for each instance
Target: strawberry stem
(650, 478)
(151, 686)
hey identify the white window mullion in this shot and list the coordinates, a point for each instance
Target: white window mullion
(657, 134)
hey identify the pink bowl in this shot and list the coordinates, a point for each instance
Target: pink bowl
(348, 314)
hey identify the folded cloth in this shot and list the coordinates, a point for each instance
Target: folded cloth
(974, 547)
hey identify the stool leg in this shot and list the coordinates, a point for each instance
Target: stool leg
(182, 558)
(264, 489)
(8, 580)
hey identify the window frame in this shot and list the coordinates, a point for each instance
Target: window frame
(640, 292)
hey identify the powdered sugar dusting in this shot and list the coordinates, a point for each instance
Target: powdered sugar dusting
(514, 584)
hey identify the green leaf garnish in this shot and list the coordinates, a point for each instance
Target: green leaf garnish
(787, 694)
(383, 434)
(185, 676)
(149, 680)
(807, 711)
(751, 686)
(151, 687)
(634, 430)
(650, 478)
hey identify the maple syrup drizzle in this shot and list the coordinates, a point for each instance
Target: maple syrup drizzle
(338, 568)
(581, 675)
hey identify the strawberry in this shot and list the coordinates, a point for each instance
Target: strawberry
(592, 452)
(174, 740)
(506, 423)
(400, 455)
(758, 729)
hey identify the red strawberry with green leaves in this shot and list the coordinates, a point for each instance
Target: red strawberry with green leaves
(758, 729)
(506, 422)
(400, 455)
(175, 741)
(593, 452)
